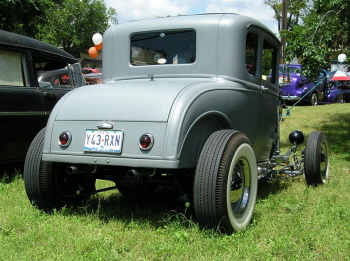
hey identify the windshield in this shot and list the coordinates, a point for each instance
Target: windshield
(163, 47)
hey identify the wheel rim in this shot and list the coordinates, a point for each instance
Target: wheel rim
(239, 187)
(314, 99)
(340, 99)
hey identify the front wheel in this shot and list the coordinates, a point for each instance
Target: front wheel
(314, 99)
(48, 185)
(225, 185)
(316, 159)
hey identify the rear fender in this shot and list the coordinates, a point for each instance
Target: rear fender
(197, 135)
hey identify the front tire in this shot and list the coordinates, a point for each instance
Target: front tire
(47, 184)
(340, 98)
(225, 185)
(316, 159)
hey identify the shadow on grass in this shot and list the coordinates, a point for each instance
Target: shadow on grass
(338, 134)
(10, 171)
(156, 209)
(337, 131)
(266, 188)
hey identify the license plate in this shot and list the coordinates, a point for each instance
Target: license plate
(103, 141)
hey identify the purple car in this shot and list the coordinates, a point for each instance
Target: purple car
(295, 86)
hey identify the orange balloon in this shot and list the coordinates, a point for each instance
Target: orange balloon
(93, 53)
(99, 46)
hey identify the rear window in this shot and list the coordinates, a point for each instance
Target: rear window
(163, 47)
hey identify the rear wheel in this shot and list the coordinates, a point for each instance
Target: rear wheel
(225, 184)
(340, 98)
(47, 184)
(316, 159)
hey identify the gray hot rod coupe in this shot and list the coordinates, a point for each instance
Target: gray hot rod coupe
(190, 102)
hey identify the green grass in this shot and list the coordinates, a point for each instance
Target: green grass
(291, 221)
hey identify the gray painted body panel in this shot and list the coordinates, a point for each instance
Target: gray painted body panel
(181, 105)
(124, 100)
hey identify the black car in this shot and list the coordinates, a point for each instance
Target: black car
(26, 103)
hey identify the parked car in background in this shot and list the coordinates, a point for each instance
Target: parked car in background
(93, 78)
(344, 88)
(295, 86)
(90, 70)
(25, 101)
(178, 107)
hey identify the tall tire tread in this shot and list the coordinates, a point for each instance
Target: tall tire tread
(32, 169)
(209, 163)
(313, 158)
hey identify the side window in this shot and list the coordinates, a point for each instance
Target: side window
(251, 53)
(50, 72)
(12, 69)
(269, 60)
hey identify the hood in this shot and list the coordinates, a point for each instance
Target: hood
(126, 100)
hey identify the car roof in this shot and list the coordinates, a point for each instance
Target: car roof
(16, 40)
(217, 37)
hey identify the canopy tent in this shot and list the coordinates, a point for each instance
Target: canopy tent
(340, 76)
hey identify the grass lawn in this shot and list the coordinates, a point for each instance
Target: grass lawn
(291, 221)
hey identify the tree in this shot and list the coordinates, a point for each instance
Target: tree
(323, 35)
(72, 23)
(317, 33)
(23, 16)
(297, 9)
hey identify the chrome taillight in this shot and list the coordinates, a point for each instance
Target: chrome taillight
(64, 139)
(146, 141)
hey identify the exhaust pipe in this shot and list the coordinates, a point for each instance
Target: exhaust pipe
(137, 173)
(81, 169)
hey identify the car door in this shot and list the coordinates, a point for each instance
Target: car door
(270, 100)
(51, 95)
(21, 106)
(322, 85)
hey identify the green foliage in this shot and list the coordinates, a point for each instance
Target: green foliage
(69, 24)
(23, 16)
(314, 56)
(295, 12)
(317, 31)
(72, 24)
